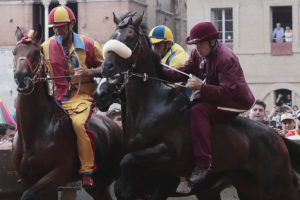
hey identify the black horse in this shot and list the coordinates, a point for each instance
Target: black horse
(255, 159)
(112, 91)
(45, 149)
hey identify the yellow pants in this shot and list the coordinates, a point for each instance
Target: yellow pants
(79, 109)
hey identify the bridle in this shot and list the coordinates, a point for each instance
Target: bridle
(138, 48)
(34, 70)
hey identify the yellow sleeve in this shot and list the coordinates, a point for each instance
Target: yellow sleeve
(98, 52)
(179, 60)
(45, 50)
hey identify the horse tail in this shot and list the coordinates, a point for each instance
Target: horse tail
(294, 152)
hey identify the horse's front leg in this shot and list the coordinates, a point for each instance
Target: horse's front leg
(47, 183)
(131, 165)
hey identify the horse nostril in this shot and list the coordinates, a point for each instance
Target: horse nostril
(16, 80)
(102, 95)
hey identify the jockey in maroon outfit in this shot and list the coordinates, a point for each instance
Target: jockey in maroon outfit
(222, 93)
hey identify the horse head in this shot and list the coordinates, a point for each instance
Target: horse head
(107, 92)
(27, 59)
(126, 48)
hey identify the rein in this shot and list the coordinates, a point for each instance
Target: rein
(137, 44)
(146, 77)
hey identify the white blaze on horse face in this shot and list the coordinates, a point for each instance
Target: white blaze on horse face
(103, 80)
(118, 47)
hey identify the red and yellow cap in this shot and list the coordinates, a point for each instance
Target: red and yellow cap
(60, 16)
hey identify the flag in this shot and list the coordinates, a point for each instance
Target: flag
(5, 116)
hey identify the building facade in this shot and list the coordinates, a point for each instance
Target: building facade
(271, 68)
(94, 19)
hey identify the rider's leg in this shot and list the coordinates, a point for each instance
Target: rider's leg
(80, 110)
(201, 116)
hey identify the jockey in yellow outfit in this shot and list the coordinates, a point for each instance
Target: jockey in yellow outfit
(78, 59)
(172, 54)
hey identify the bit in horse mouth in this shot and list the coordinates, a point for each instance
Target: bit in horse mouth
(114, 79)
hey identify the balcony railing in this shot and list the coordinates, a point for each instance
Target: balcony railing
(281, 49)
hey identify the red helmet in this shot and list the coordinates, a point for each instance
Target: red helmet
(203, 31)
(61, 15)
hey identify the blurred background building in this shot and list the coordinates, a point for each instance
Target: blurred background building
(246, 26)
(94, 19)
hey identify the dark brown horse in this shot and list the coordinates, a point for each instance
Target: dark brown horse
(250, 155)
(111, 91)
(45, 149)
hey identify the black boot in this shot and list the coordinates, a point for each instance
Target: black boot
(198, 175)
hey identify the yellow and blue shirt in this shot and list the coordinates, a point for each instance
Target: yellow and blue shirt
(176, 56)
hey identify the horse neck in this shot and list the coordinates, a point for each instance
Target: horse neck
(32, 108)
(145, 62)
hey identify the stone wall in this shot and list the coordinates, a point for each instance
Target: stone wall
(8, 90)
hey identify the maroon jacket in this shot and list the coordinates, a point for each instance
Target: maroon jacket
(225, 82)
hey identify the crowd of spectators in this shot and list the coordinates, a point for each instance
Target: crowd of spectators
(283, 117)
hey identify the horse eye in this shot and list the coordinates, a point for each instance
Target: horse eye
(129, 39)
(14, 52)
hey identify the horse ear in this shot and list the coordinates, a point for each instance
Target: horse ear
(38, 33)
(138, 21)
(19, 34)
(116, 20)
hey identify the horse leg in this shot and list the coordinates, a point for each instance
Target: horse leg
(47, 183)
(16, 153)
(165, 188)
(211, 187)
(100, 192)
(146, 158)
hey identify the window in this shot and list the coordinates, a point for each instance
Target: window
(222, 19)
(282, 24)
(283, 97)
(281, 33)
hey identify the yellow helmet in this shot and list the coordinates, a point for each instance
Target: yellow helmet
(160, 33)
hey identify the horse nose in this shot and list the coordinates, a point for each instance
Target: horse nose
(20, 78)
(107, 68)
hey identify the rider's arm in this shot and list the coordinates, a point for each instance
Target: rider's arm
(232, 84)
(188, 68)
(81, 71)
(96, 72)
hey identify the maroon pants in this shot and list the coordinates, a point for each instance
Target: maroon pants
(202, 115)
